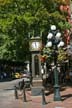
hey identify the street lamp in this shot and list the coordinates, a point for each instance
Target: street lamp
(54, 41)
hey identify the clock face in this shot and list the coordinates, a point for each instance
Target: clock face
(35, 45)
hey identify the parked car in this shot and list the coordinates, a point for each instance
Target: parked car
(25, 74)
(16, 75)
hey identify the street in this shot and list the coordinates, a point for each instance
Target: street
(7, 98)
(9, 84)
(7, 89)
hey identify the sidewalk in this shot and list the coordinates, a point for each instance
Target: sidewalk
(36, 101)
(66, 102)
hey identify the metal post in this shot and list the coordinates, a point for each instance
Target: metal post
(43, 98)
(24, 94)
(15, 92)
(54, 43)
(57, 96)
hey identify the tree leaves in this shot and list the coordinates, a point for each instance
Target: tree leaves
(19, 17)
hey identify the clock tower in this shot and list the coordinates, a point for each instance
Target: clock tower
(35, 44)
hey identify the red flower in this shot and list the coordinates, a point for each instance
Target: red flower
(43, 58)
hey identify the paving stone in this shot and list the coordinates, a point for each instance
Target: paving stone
(7, 100)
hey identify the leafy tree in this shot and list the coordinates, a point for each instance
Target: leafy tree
(19, 17)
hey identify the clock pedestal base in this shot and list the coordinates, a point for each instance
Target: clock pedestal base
(37, 87)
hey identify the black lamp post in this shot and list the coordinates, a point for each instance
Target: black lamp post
(55, 41)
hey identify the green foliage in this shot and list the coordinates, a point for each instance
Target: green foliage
(62, 55)
(64, 25)
(48, 54)
(18, 17)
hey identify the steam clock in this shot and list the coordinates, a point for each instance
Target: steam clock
(35, 48)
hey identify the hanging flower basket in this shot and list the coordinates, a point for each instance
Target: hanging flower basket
(43, 58)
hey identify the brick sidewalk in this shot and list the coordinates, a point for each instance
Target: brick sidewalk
(36, 101)
(66, 102)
